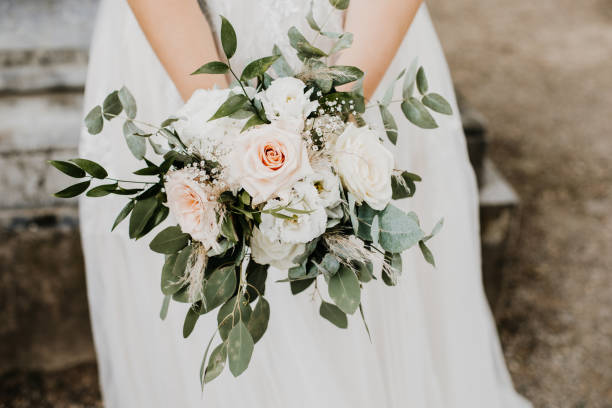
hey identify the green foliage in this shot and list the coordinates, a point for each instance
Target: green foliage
(91, 168)
(344, 41)
(344, 74)
(128, 102)
(101, 191)
(136, 144)
(427, 253)
(170, 283)
(228, 38)
(163, 313)
(231, 105)
(169, 241)
(67, 168)
(281, 66)
(230, 313)
(213, 67)
(123, 214)
(74, 190)
(112, 105)
(340, 4)
(403, 184)
(240, 349)
(94, 121)
(220, 287)
(421, 80)
(333, 314)
(437, 103)
(190, 321)
(398, 230)
(416, 113)
(216, 364)
(258, 323)
(310, 18)
(256, 276)
(303, 47)
(389, 123)
(258, 67)
(142, 213)
(344, 289)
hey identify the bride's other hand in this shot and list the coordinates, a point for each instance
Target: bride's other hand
(182, 39)
(379, 28)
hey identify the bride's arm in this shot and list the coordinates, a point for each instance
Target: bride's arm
(182, 39)
(378, 28)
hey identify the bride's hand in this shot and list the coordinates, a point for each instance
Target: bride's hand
(182, 39)
(378, 28)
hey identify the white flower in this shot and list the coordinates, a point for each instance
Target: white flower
(304, 227)
(327, 185)
(273, 252)
(364, 165)
(194, 205)
(285, 101)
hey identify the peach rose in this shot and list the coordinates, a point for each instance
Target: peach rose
(268, 159)
(194, 205)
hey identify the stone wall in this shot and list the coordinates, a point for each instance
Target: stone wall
(43, 308)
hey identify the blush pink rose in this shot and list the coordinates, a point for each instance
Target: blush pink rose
(268, 159)
(194, 205)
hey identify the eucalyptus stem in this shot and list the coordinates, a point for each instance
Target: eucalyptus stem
(134, 120)
(126, 181)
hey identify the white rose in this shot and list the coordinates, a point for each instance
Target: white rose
(364, 165)
(328, 187)
(285, 101)
(305, 227)
(273, 252)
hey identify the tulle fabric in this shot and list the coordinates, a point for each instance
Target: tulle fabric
(434, 343)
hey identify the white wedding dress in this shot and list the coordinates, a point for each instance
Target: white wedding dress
(434, 342)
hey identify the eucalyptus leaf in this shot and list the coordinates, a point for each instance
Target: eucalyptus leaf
(345, 41)
(389, 123)
(128, 102)
(398, 230)
(112, 105)
(258, 67)
(403, 185)
(427, 253)
(169, 283)
(92, 168)
(228, 38)
(190, 321)
(231, 105)
(143, 211)
(281, 66)
(94, 121)
(365, 324)
(136, 144)
(230, 313)
(333, 314)
(203, 365)
(220, 287)
(240, 349)
(340, 4)
(416, 113)
(102, 190)
(227, 228)
(256, 276)
(421, 80)
(436, 102)
(163, 313)
(410, 79)
(310, 18)
(344, 74)
(299, 286)
(344, 290)
(67, 168)
(182, 260)
(169, 241)
(258, 323)
(216, 364)
(213, 67)
(74, 190)
(123, 214)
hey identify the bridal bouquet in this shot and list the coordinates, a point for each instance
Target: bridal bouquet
(280, 170)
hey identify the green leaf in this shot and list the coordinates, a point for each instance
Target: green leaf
(170, 284)
(258, 67)
(240, 349)
(300, 285)
(255, 120)
(365, 271)
(112, 105)
(364, 322)
(365, 216)
(123, 214)
(281, 66)
(391, 275)
(256, 276)
(344, 74)
(416, 113)
(435, 230)
(101, 191)
(403, 185)
(143, 211)
(136, 144)
(301, 44)
(163, 313)
(74, 190)
(220, 287)
(190, 321)
(169, 241)
(345, 41)
(344, 290)
(333, 314)
(409, 79)
(340, 4)
(182, 260)
(213, 67)
(169, 121)
(216, 364)
(202, 369)
(389, 123)
(92, 168)
(229, 314)
(227, 228)
(310, 18)
(398, 230)
(67, 168)
(437, 103)
(228, 38)
(421, 81)
(128, 102)
(259, 319)
(147, 171)
(231, 105)
(427, 253)
(94, 121)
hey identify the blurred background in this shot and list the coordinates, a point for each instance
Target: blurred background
(534, 80)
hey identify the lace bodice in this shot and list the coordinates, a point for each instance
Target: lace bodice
(261, 24)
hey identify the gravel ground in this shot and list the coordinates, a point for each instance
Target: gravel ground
(539, 71)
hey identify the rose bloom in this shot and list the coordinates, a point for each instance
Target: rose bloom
(277, 254)
(267, 159)
(194, 205)
(364, 166)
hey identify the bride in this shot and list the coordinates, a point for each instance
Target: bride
(434, 342)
